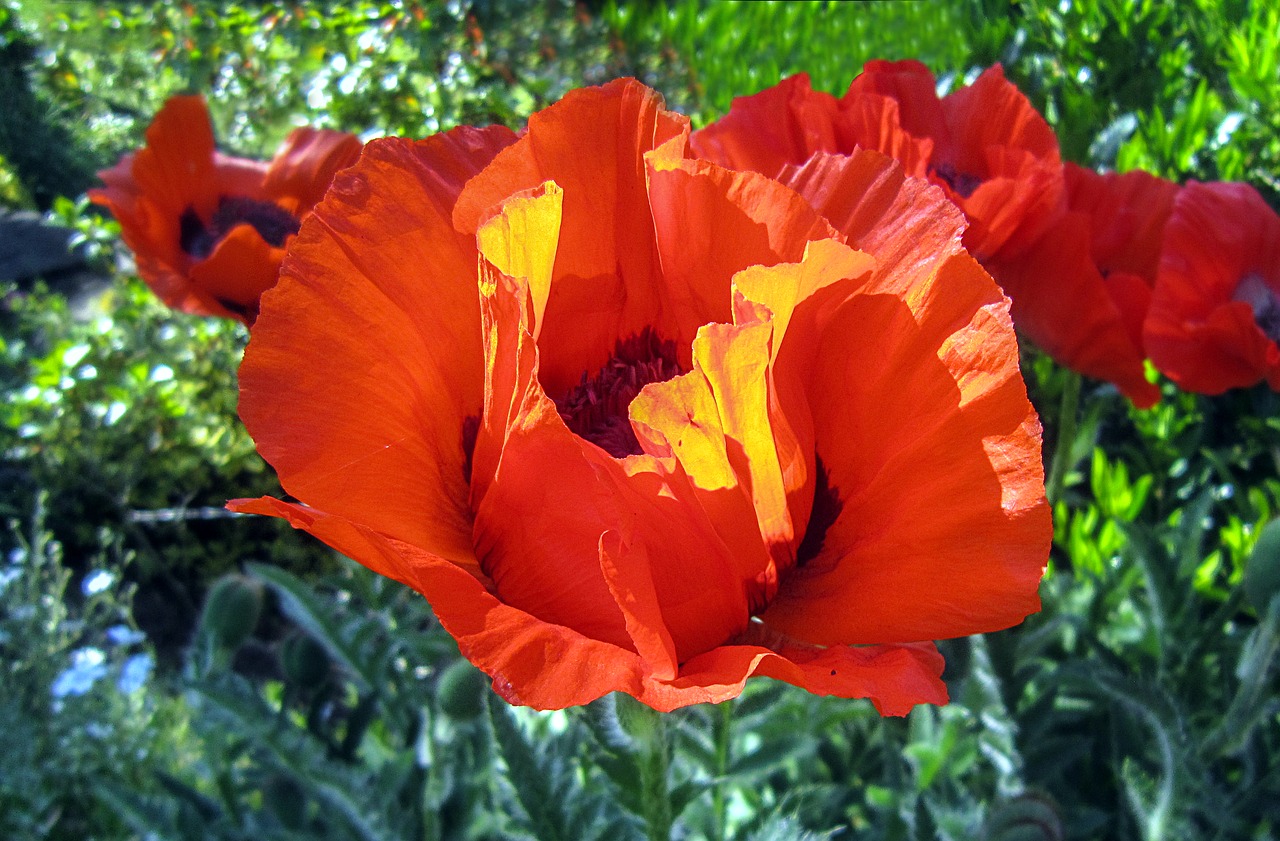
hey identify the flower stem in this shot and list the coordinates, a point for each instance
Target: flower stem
(654, 760)
(1067, 423)
(648, 730)
(723, 736)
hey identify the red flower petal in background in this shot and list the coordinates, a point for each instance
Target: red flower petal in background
(1214, 320)
(993, 153)
(209, 230)
(1078, 264)
(658, 442)
(789, 122)
(1082, 291)
(984, 144)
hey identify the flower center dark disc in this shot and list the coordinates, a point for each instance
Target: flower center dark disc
(596, 408)
(961, 183)
(272, 222)
(826, 509)
(1255, 292)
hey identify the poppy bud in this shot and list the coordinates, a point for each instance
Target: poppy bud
(305, 661)
(231, 610)
(461, 691)
(1262, 572)
(1028, 817)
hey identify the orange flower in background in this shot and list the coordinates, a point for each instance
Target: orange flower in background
(1214, 320)
(787, 123)
(634, 422)
(1074, 251)
(1082, 291)
(993, 154)
(209, 230)
(984, 145)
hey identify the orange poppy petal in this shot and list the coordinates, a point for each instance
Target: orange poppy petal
(935, 503)
(912, 85)
(547, 666)
(779, 125)
(590, 144)
(992, 112)
(715, 421)
(799, 298)
(305, 164)
(233, 277)
(175, 169)
(875, 123)
(1013, 206)
(744, 219)
(1225, 351)
(538, 540)
(906, 224)
(521, 241)
(239, 177)
(357, 393)
(541, 542)
(894, 677)
(149, 190)
(1065, 307)
(627, 573)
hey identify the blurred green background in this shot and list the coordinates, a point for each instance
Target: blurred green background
(170, 672)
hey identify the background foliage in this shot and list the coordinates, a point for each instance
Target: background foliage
(305, 698)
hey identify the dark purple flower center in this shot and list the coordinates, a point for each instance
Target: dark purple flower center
(596, 408)
(470, 432)
(961, 183)
(272, 222)
(1264, 302)
(826, 509)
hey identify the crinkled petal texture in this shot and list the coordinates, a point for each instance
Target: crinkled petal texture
(776, 504)
(984, 145)
(1214, 320)
(787, 123)
(209, 230)
(987, 149)
(992, 153)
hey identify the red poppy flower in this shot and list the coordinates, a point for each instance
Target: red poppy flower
(1082, 291)
(1214, 320)
(672, 432)
(1078, 264)
(787, 123)
(209, 230)
(993, 154)
(984, 144)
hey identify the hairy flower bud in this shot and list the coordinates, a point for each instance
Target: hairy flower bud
(231, 610)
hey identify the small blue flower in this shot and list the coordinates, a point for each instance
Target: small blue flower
(87, 666)
(134, 673)
(7, 577)
(97, 581)
(124, 635)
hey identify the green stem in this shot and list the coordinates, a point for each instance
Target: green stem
(1067, 423)
(651, 751)
(723, 736)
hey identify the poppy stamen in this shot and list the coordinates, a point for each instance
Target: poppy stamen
(272, 222)
(1264, 302)
(470, 432)
(596, 408)
(961, 183)
(826, 509)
